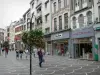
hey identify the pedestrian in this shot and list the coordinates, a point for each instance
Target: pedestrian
(3, 50)
(35, 52)
(6, 52)
(40, 56)
(17, 54)
(21, 53)
(26, 52)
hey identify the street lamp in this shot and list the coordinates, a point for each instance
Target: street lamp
(30, 47)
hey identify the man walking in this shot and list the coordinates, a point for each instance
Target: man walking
(40, 56)
(6, 52)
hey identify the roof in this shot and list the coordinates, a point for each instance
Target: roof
(31, 1)
(26, 12)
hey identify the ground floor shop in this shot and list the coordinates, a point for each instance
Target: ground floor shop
(60, 43)
(97, 41)
(60, 47)
(82, 47)
(83, 43)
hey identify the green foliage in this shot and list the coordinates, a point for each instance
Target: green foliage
(6, 44)
(34, 38)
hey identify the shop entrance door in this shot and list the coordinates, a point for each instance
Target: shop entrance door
(82, 44)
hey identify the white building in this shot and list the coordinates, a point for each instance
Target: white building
(97, 28)
(26, 17)
(2, 36)
(11, 35)
(82, 21)
(42, 13)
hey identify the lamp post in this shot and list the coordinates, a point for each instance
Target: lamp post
(30, 47)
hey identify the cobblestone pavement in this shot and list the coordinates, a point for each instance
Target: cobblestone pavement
(54, 65)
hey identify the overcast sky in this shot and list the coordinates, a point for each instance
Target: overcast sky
(11, 10)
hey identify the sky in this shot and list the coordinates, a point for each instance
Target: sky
(12, 10)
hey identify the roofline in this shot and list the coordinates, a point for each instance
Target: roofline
(31, 1)
(26, 12)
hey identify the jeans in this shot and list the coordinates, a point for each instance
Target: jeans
(40, 61)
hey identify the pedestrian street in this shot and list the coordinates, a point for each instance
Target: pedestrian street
(53, 65)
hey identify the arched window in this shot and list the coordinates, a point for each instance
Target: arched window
(89, 17)
(74, 22)
(81, 20)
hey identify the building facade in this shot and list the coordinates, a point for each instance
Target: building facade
(2, 36)
(82, 35)
(97, 28)
(60, 36)
(19, 28)
(42, 20)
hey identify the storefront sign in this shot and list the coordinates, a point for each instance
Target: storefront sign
(97, 28)
(87, 32)
(61, 35)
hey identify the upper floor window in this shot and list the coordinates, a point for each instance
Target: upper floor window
(99, 12)
(32, 5)
(47, 30)
(89, 17)
(46, 3)
(60, 22)
(66, 20)
(55, 6)
(46, 17)
(81, 20)
(39, 10)
(59, 4)
(74, 22)
(55, 24)
(65, 3)
(76, 3)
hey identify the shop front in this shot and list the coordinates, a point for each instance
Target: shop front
(60, 43)
(48, 45)
(83, 41)
(97, 41)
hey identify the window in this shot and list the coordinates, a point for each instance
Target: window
(59, 4)
(28, 25)
(74, 22)
(39, 20)
(76, 3)
(24, 27)
(54, 6)
(37, 0)
(90, 1)
(66, 20)
(81, 20)
(32, 5)
(89, 17)
(55, 24)
(46, 3)
(60, 22)
(99, 12)
(32, 25)
(39, 10)
(47, 18)
(65, 3)
(47, 30)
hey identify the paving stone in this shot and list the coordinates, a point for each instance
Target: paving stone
(94, 73)
(75, 74)
(43, 72)
(63, 71)
(83, 71)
